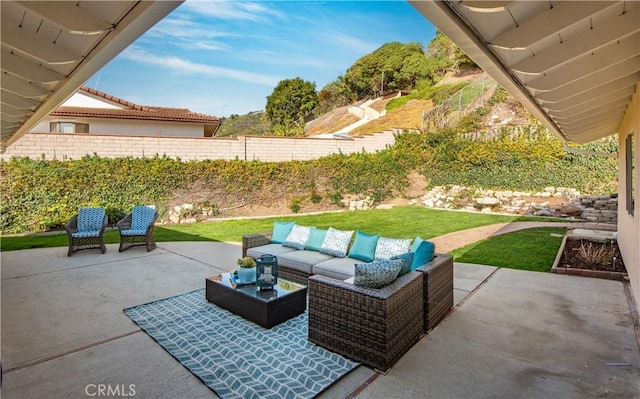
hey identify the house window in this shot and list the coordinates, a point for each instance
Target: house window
(630, 173)
(69, 127)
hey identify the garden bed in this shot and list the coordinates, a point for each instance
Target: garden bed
(590, 253)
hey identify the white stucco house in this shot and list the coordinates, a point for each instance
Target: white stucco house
(94, 112)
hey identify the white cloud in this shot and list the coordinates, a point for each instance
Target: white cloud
(240, 10)
(182, 32)
(352, 43)
(186, 67)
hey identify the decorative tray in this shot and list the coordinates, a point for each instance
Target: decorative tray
(235, 280)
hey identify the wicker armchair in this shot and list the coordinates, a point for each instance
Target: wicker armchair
(136, 229)
(372, 326)
(86, 230)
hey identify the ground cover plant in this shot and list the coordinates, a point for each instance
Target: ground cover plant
(398, 222)
(531, 249)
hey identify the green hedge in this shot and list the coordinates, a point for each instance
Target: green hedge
(38, 195)
(517, 162)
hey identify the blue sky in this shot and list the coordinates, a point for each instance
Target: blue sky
(225, 57)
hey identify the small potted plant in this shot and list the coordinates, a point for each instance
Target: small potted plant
(246, 269)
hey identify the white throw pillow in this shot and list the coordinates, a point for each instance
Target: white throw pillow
(336, 242)
(387, 248)
(298, 237)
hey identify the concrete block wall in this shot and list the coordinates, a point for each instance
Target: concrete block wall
(64, 146)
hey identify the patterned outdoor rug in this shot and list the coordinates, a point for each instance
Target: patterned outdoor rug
(235, 357)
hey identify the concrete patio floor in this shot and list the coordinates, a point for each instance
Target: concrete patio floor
(512, 334)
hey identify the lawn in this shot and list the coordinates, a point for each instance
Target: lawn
(530, 249)
(407, 221)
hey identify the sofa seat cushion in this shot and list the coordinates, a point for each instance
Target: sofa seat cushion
(303, 260)
(269, 249)
(338, 268)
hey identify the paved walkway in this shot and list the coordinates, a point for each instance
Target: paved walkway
(458, 239)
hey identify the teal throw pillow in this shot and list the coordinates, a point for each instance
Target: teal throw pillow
(364, 246)
(416, 243)
(423, 254)
(377, 274)
(407, 262)
(336, 242)
(280, 231)
(316, 237)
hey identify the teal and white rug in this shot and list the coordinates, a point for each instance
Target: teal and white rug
(235, 357)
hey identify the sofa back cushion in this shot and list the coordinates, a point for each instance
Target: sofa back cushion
(280, 231)
(336, 242)
(316, 237)
(377, 274)
(364, 246)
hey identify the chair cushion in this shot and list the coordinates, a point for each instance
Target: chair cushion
(134, 232)
(297, 237)
(407, 262)
(364, 246)
(387, 248)
(90, 219)
(86, 234)
(316, 237)
(423, 254)
(377, 274)
(336, 242)
(141, 217)
(280, 231)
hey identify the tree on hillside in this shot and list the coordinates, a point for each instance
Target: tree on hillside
(291, 101)
(446, 55)
(334, 94)
(392, 66)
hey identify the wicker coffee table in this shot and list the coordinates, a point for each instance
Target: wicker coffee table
(266, 308)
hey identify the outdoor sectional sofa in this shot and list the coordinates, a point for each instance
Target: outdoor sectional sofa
(299, 265)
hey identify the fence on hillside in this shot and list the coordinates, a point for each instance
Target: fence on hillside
(461, 103)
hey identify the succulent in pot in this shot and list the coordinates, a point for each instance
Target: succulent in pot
(246, 262)
(246, 269)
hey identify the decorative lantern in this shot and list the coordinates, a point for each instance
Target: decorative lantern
(266, 272)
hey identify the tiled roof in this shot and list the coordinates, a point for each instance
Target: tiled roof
(134, 111)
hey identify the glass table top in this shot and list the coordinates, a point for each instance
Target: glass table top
(283, 288)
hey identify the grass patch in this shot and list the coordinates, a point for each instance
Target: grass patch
(531, 249)
(398, 222)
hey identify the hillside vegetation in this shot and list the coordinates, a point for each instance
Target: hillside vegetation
(462, 129)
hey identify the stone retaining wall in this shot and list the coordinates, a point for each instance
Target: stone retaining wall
(552, 201)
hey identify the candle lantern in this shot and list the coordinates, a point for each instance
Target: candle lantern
(266, 272)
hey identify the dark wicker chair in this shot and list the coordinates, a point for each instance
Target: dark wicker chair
(136, 229)
(373, 326)
(86, 230)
